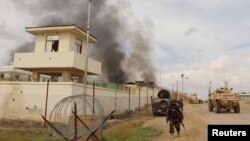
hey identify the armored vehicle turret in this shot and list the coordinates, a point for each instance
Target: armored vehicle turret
(161, 103)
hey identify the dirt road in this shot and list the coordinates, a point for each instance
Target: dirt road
(196, 119)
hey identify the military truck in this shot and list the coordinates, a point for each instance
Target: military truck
(193, 99)
(224, 99)
(161, 103)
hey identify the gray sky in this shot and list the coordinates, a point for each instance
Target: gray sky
(205, 40)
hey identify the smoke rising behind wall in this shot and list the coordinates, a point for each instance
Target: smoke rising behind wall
(25, 47)
(123, 46)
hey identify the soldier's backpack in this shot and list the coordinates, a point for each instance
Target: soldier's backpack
(175, 113)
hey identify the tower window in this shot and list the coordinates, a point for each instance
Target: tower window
(78, 46)
(52, 43)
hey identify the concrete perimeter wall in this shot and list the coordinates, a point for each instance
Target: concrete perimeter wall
(26, 100)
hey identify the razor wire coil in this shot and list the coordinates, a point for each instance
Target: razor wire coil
(63, 119)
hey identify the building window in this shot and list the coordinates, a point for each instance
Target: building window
(78, 46)
(52, 43)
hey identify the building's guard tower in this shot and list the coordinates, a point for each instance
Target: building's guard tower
(59, 54)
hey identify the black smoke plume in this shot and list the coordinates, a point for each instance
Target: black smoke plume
(118, 43)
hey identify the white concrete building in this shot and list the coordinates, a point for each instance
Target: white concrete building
(59, 54)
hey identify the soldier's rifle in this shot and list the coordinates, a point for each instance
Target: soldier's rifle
(180, 119)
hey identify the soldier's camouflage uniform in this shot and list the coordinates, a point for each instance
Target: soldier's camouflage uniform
(174, 117)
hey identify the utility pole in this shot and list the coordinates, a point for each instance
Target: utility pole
(240, 84)
(93, 112)
(210, 87)
(46, 102)
(147, 98)
(129, 100)
(86, 58)
(182, 83)
(116, 98)
(139, 101)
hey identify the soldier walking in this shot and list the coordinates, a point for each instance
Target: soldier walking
(180, 102)
(174, 118)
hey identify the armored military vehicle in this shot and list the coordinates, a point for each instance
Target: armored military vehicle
(224, 99)
(193, 98)
(161, 103)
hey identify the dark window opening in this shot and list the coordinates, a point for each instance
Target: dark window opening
(78, 46)
(55, 46)
(52, 43)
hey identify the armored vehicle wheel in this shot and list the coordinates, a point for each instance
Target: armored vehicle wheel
(237, 109)
(217, 107)
(210, 106)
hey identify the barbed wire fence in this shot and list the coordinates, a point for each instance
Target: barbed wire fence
(68, 120)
